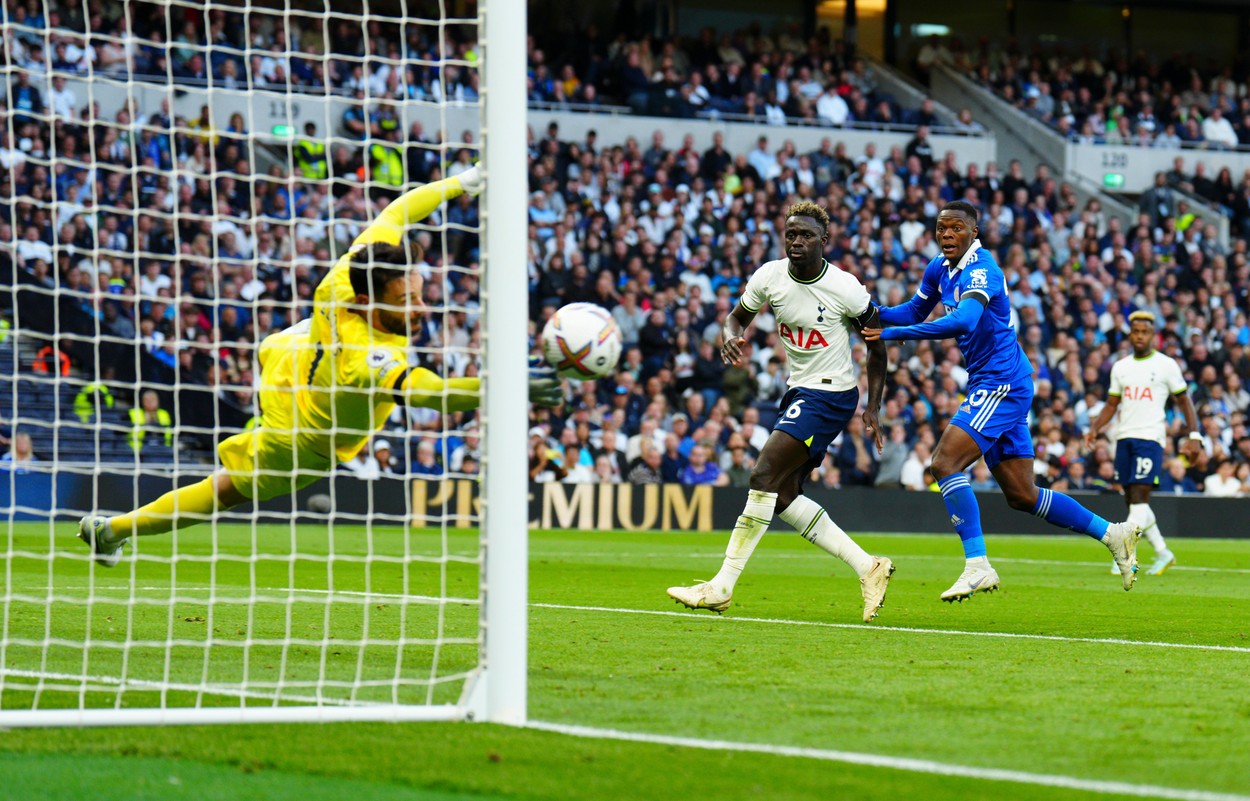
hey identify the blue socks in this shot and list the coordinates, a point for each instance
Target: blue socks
(961, 502)
(1053, 507)
(1061, 510)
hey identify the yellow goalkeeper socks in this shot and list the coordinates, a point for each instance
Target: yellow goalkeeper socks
(179, 508)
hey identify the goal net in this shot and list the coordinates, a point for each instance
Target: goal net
(176, 181)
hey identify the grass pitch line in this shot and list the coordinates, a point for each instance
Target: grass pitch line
(1006, 635)
(815, 555)
(117, 681)
(1238, 649)
(898, 763)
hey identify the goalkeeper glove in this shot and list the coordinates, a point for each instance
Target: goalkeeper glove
(544, 384)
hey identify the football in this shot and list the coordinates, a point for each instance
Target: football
(581, 341)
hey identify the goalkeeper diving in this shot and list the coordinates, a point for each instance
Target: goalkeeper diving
(327, 383)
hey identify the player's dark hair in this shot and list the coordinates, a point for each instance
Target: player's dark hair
(806, 208)
(376, 265)
(965, 208)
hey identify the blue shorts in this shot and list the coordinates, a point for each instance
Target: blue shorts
(997, 418)
(1138, 461)
(816, 417)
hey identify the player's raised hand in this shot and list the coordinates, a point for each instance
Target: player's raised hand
(874, 425)
(731, 351)
(544, 384)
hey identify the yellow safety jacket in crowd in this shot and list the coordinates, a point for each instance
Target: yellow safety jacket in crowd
(387, 164)
(140, 425)
(310, 157)
(87, 397)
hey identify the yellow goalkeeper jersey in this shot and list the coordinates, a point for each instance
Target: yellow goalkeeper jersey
(348, 375)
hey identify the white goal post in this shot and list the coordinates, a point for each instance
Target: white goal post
(390, 614)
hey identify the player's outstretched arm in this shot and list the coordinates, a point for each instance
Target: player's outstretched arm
(415, 205)
(961, 321)
(913, 311)
(421, 387)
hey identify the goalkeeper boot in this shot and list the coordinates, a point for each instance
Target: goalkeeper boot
(974, 579)
(1121, 540)
(1162, 562)
(472, 180)
(96, 531)
(873, 586)
(701, 596)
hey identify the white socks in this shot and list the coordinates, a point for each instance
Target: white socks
(814, 525)
(1144, 516)
(751, 525)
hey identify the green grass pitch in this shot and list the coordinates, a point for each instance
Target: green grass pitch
(1078, 694)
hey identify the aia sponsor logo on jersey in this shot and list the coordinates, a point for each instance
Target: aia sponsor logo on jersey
(1138, 393)
(800, 338)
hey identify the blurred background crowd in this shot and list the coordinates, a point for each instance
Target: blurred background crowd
(181, 235)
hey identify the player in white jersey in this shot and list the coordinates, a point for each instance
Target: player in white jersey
(816, 305)
(1140, 387)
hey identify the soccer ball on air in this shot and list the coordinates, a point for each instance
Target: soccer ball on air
(581, 341)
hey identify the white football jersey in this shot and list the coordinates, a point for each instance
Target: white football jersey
(813, 321)
(1144, 386)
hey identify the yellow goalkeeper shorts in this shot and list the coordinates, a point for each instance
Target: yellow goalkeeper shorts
(265, 462)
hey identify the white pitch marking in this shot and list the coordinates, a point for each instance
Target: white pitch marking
(898, 763)
(821, 556)
(43, 675)
(784, 622)
(906, 629)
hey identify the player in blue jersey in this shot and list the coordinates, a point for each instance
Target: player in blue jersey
(992, 421)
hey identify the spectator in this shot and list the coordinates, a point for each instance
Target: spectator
(913, 472)
(51, 360)
(856, 455)
(383, 455)
(1217, 130)
(426, 464)
(892, 459)
(700, 470)
(20, 456)
(1175, 481)
(1223, 483)
(149, 418)
(647, 468)
(831, 107)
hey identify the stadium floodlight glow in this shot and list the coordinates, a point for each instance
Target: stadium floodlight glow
(414, 611)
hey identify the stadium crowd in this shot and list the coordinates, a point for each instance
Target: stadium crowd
(668, 246)
(203, 250)
(782, 79)
(1167, 103)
